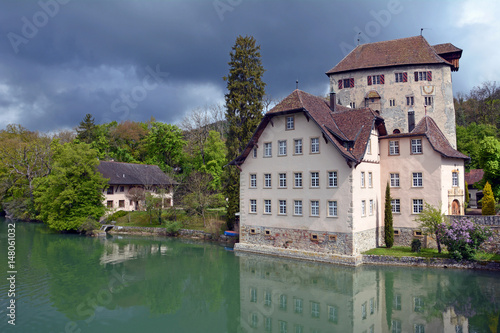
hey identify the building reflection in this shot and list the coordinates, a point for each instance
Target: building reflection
(279, 295)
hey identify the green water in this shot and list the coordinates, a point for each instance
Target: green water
(68, 283)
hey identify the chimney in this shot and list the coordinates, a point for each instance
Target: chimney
(333, 101)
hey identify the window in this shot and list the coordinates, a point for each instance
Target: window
(396, 206)
(254, 152)
(314, 208)
(283, 302)
(290, 123)
(268, 149)
(410, 100)
(392, 102)
(253, 206)
(418, 304)
(332, 208)
(298, 146)
(362, 179)
(371, 207)
(363, 208)
(121, 203)
(401, 77)
(298, 305)
(417, 179)
(375, 79)
(315, 145)
(416, 146)
(283, 326)
(282, 207)
(268, 324)
(267, 298)
(315, 309)
(428, 100)
(253, 295)
(372, 306)
(396, 326)
(297, 207)
(110, 190)
(393, 147)
(454, 179)
(282, 148)
(314, 179)
(282, 177)
(254, 320)
(122, 188)
(423, 76)
(332, 178)
(396, 302)
(419, 328)
(394, 179)
(297, 179)
(363, 310)
(267, 206)
(332, 314)
(346, 83)
(418, 206)
(352, 105)
(267, 180)
(253, 180)
(370, 179)
(109, 203)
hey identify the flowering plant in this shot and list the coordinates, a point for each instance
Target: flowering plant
(463, 238)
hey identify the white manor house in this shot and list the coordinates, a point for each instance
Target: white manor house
(314, 174)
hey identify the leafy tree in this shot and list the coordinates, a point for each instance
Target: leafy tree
(489, 161)
(215, 155)
(73, 191)
(200, 196)
(164, 146)
(243, 110)
(86, 131)
(429, 219)
(388, 223)
(469, 138)
(488, 201)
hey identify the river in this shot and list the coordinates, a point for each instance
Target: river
(68, 283)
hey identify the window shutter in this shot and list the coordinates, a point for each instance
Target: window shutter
(416, 76)
(340, 84)
(405, 77)
(352, 82)
(381, 78)
(429, 76)
(369, 80)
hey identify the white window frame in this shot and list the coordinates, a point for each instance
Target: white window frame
(314, 145)
(253, 180)
(370, 207)
(268, 149)
(363, 208)
(454, 179)
(314, 206)
(297, 207)
(254, 152)
(394, 179)
(297, 146)
(297, 179)
(282, 179)
(314, 179)
(363, 179)
(298, 305)
(417, 179)
(267, 206)
(268, 180)
(369, 147)
(416, 146)
(396, 206)
(253, 206)
(370, 179)
(332, 208)
(290, 123)
(282, 148)
(315, 309)
(332, 178)
(282, 207)
(417, 206)
(393, 147)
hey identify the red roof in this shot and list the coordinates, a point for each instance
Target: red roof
(474, 176)
(397, 52)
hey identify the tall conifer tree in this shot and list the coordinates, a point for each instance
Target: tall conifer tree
(243, 111)
(388, 226)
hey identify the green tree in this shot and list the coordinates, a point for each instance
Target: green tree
(388, 224)
(489, 161)
(429, 220)
(488, 200)
(164, 146)
(215, 156)
(469, 139)
(200, 196)
(73, 191)
(86, 131)
(467, 199)
(243, 111)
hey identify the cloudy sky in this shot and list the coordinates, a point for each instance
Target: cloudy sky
(125, 59)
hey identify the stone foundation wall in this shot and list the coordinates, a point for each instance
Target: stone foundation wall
(309, 240)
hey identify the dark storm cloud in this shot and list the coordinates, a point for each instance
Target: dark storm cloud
(63, 59)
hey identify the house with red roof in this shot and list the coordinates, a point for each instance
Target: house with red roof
(472, 177)
(314, 174)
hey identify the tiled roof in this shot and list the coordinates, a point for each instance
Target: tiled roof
(474, 176)
(446, 48)
(133, 174)
(347, 129)
(427, 127)
(397, 52)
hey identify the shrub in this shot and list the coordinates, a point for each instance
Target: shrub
(116, 215)
(416, 245)
(463, 238)
(88, 226)
(488, 200)
(388, 223)
(173, 227)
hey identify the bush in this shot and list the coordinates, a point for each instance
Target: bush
(116, 215)
(173, 227)
(416, 245)
(488, 201)
(88, 226)
(463, 238)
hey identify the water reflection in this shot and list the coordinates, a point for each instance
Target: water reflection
(279, 295)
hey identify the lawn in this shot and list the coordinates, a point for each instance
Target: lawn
(405, 251)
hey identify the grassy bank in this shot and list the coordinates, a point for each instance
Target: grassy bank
(405, 251)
